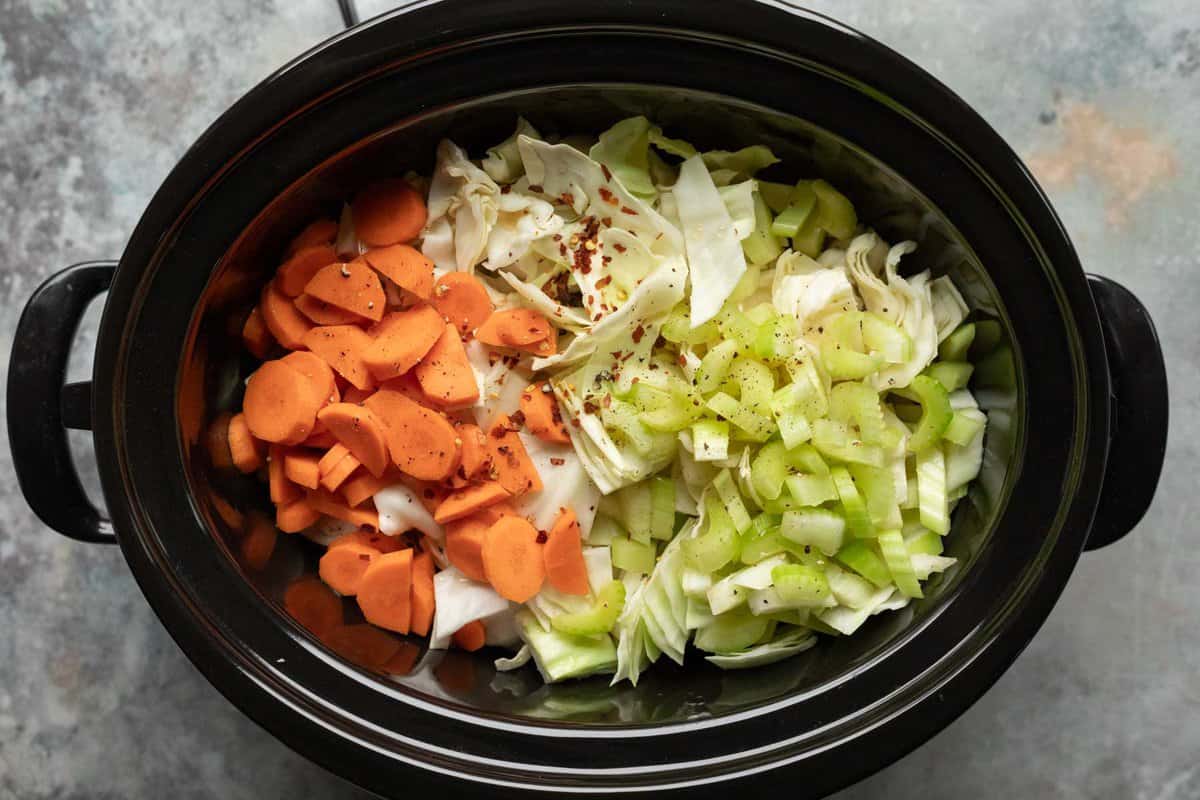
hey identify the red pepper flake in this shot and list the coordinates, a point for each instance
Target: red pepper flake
(628, 210)
(607, 222)
(557, 237)
(558, 462)
(607, 173)
(567, 198)
(620, 248)
(533, 187)
(608, 197)
(505, 189)
(597, 318)
(589, 407)
(628, 356)
(682, 360)
(605, 259)
(638, 333)
(605, 281)
(542, 537)
(517, 418)
(575, 422)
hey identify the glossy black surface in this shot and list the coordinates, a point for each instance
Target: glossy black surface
(40, 411)
(310, 133)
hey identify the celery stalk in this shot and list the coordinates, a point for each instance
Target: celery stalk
(600, 618)
(662, 507)
(935, 413)
(931, 490)
(824, 530)
(710, 439)
(861, 557)
(858, 520)
(956, 346)
(895, 555)
(800, 585)
(632, 556)
(835, 212)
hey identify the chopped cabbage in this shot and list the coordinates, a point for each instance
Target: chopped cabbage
(714, 251)
(459, 600)
(400, 510)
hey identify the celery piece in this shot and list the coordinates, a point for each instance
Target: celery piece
(769, 469)
(756, 384)
(560, 656)
(681, 411)
(746, 285)
(724, 596)
(648, 398)
(861, 557)
(800, 585)
(775, 340)
(793, 426)
(604, 530)
(988, 334)
(731, 632)
(806, 459)
(662, 507)
(885, 339)
(810, 239)
(895, 556)
(849, 589)
(717, 544)
(935, 413)
(858, 520)
(710, 440)
(815, 527)
(925, 542)
(835, 212)
(843, 351)
(678, 329)
(737, 327)
(956, 346)
(997, 370)
(761, 313)
(953, 375)
(757, 546)
(964, 426)
(777, 196)
(757, 427)
(810, 490)
(810, 391)
(835, 440)
(715, 366)
(761, 524)
(634, 504)
(762, 246)
(727, 490)
(600, 618)
(931, 490)
(801, 206)
(878, 488)
(632, 556)
(859, 404)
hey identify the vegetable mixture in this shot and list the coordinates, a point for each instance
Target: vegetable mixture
(592, 400)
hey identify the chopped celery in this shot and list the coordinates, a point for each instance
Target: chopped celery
(810, 238)
(801, 205)
(724, 596)
(718, 544)
(729, 633)
(762, 245)
(727, 490)
(769, 469)
(634, 504)
(746, 285)
(849, 589)
(694, 583)
(710, 440)
(811, 490)
(756, 384)
(737, 327)
(858, 403)
(604, 530)
(858, 520)
(793, 426)
(931, 490)
(885, 339)
(777, 195)
(878, 488)
(761, 314)
(964, 426)
(836, 440)
(895, 556)
(757, 545)
(775, 340)
(800, 585)
(819, 528)
(560, 656)
(861, 557)
(806, 459)
(924, 543)
(956, 346)
(600, 618)
(988, 334)
(662, 507)
(753, 425)
(715, 366)
(681, 410)
(632, 556)
(678, 329)
(935, 413)
(835, 212)
(953, 375)
(843, 351)
(811, 394)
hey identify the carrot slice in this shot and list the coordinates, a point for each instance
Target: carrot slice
(401, 340)
(283, 491)
(300, 467)
(563, 553)
(255, 335)
(410, 387)
(295, 516)
(361, 488)
(515, 327)
(542, 416)
(245, 451)
(331, 458)
(404, 266)
(510, 461)
(323, 231)
(430, 493)
(385, 591)
(323, 313)
(340, 473)
(422, 594)
(313, 605)
(543, 347)
(343, 567)
(422, 442)
(232, 517)
(388, 212)
(314, 368)
(280, 404)
(475, 457)
(404, 660)
(283, 320)
(462, 300)
(445, 374)
(320, 439)
(331, 506)
(216, 441)
(467, 501)
(363, 645)
(258, 544)
(355, 395)
(512, 559)
(470, 637)
(358, 428)
(380, 541)
(300, 268)
(341, 347)
(352, 286)
(464, 545)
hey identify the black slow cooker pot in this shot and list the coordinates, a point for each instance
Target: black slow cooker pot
(1076, 440)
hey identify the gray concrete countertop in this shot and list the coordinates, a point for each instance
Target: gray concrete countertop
(99, 99)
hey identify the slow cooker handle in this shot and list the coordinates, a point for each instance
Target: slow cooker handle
(1139, 403)
(41, 408)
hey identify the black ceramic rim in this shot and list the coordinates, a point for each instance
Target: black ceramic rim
(923, 693)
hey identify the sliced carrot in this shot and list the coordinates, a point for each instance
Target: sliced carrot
(515, 327)
(475, 456)
(355, 395)
(341, 347)
(323, 313)
(284, 321)
(280, 404)
(380, 541)
(388, 212)
(385, 591)
(410, 387)
(331, 458)
(512, 559)
(363, 487)
(352, 286)
(321, 377)
(245, 451)
(430, 493)
(542, 416)
(295, 516)
(323, 231)
(462, 300)
(283, 491)
(258, 544)
(340, 473)
(331, 506)
(563, 554)
(256, 338)
(422, 594)
(464, 545)
(320, 439)
(343, 567)
(422, 442)
(445, 374)
(401, 340)
(300, 268)
(216, 441)
(360, 431)
(470, 637)
(404, 266)
(404, 660)
(313, 605)
(232, 517)
(464, 502)
(363, 645)
(510, 461)
(300, 467)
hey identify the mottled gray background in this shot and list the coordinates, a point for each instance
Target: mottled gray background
(99, 99)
